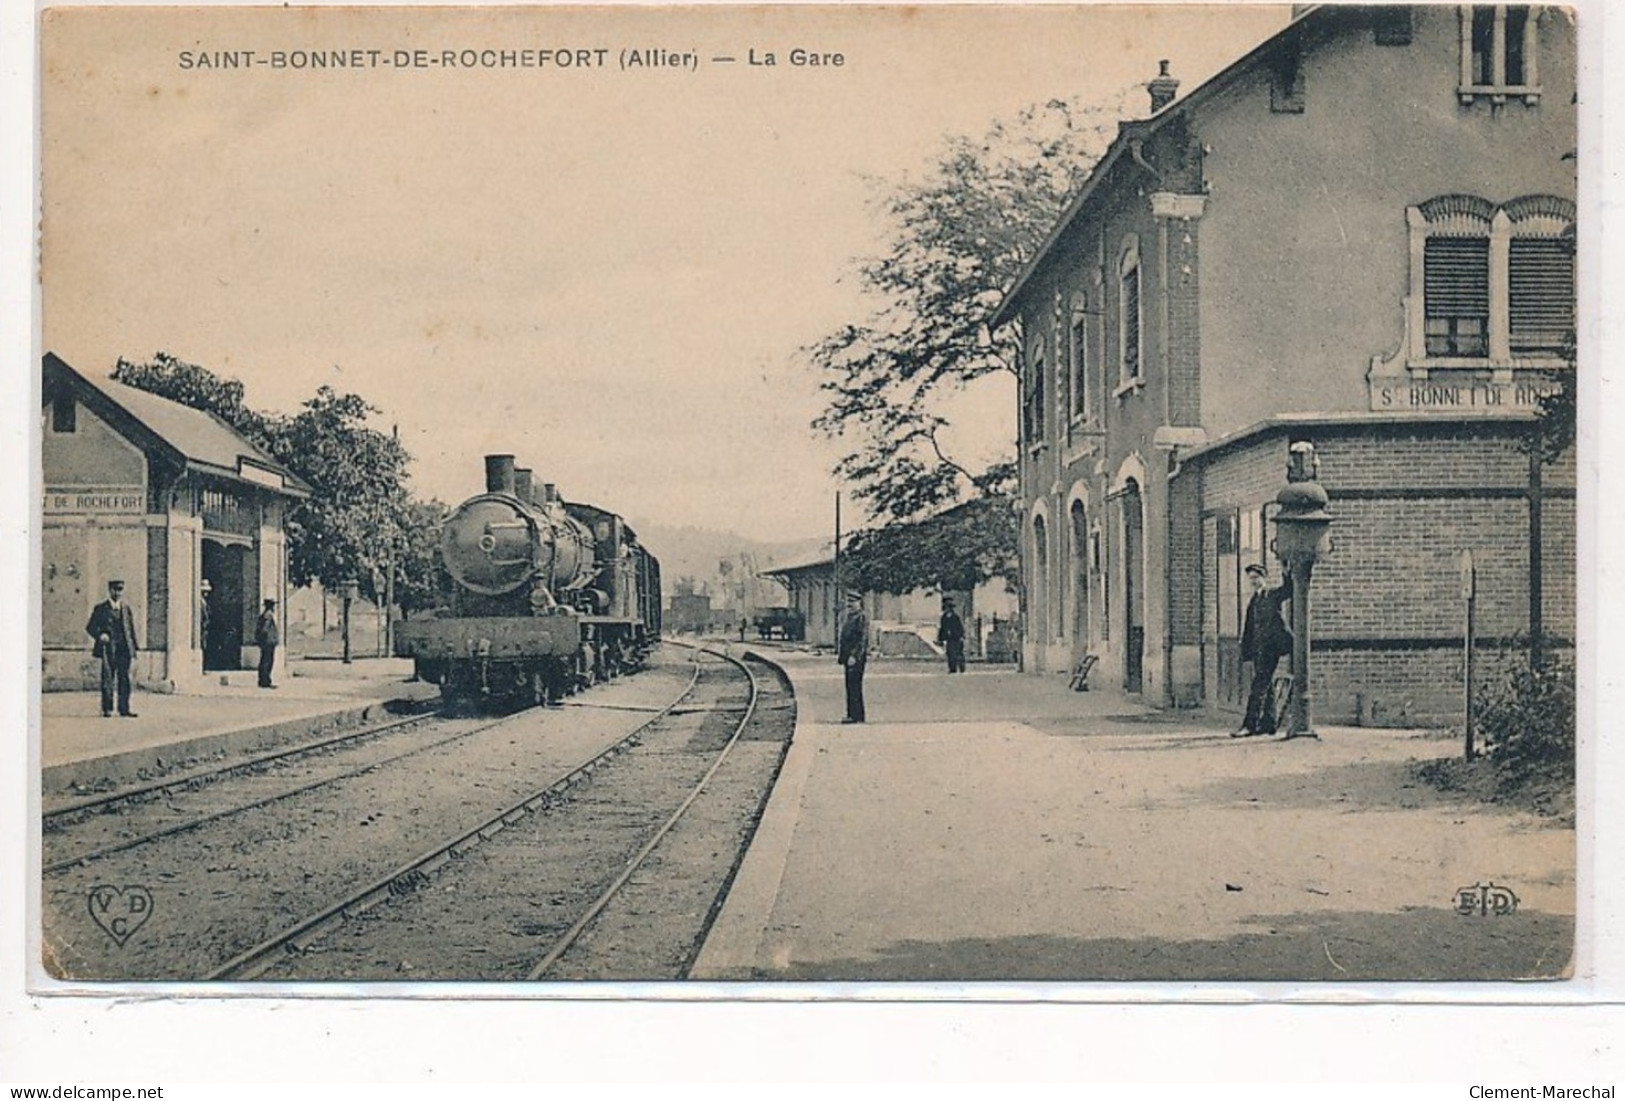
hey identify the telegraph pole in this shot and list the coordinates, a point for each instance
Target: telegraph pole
(840, 603)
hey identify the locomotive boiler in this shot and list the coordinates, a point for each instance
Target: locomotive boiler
(547, 596)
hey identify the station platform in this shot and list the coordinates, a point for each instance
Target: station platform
(997, 826)
(79, 748)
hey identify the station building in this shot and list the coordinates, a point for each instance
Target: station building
(177, 505)
(1359, 235)
(898, 621)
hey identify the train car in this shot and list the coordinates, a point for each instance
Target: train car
(547, 597)
(781, 623)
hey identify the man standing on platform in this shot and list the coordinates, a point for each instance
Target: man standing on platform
(266, 637)
(951, 636)
(852, 651)
(1265, 640)
(112, 625)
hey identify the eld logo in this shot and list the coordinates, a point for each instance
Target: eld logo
(1485, 899)
(120, 911)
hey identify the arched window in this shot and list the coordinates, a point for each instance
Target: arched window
(1492, 286)
(1130, 365)
(1038, 607)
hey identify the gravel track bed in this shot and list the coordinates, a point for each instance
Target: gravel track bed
(493, 913)
(234, 882)
(73, 836)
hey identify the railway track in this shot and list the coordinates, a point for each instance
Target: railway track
(528, 893)
(62, 825)
(208, 889)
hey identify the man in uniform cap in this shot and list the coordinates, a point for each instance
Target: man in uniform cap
(266, 637)
(852, 651)
(112, 625)
(1264, 641)
(951, 636)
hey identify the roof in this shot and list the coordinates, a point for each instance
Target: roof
(1353, 419)
(201, 440)
(1130, 132)
(824, 562)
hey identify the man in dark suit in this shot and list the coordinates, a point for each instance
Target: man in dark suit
(1264, 641)
(112, 625)
(951, 636)
(852, 651)
(266, 636)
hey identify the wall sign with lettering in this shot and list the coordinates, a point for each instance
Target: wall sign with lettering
(95, 500)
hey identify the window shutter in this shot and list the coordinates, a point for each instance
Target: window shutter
(1131, 323)
(1541, 271)
(1457, 277)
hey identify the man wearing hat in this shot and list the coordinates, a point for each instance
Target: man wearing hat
(266, 637)
(852, 651)
(1264, 641)
(112, 625)
(951, 636)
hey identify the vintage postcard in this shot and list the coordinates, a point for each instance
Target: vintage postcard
(935, 497)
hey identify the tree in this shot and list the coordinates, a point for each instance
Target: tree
(356, 516)
(961, 237)
(1556, 415)
(360, 515)
(420, 579)
(954, 550)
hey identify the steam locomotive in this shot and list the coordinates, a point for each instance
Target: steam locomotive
(546, 596)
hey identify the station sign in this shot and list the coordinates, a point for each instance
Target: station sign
(95, 500)
(1447, 397)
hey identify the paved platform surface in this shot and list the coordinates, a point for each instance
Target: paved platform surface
(80, 746)
(998, 826)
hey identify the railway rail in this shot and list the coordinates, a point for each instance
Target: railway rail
(286, 954)
(595, 841)
(252, 962)
(59, 823)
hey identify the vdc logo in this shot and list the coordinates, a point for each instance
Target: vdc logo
(120, 911)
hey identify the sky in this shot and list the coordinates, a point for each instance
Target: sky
(608, 272)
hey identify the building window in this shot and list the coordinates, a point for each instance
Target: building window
(1286, 81)
(1496, 282)
(1082, 399)
(1393, 25)
(1498, 53)
(1540, 287)
(1033, 412)
(1128, 315)
(1457, 296)
(64, 414)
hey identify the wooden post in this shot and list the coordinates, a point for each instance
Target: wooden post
(1469, 597)
(1300, 717)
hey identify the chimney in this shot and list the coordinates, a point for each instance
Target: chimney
(522, 485)
(1162, 89)
(550, 493)
(499, 474)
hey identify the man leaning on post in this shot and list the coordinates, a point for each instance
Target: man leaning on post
(1265, 640)
(112, 625)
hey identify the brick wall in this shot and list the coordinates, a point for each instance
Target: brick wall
(1387, 611)
(1393, 457)
(1245, 477)
(1185, 559)
(1184, 324)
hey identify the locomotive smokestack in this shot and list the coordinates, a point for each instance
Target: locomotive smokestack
(522, 485)
(499, 474)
